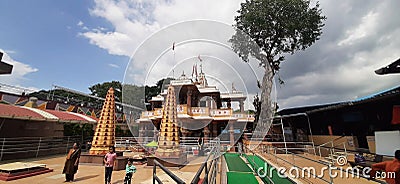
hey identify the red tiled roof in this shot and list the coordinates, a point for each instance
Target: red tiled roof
(17, 112)
(11, 111)
(69, 116)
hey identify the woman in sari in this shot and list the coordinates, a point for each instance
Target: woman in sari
(71, 163)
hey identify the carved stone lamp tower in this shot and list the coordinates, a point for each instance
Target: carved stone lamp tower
(104, 136)
(168, 143)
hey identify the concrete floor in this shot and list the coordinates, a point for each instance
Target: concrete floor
(92, 174)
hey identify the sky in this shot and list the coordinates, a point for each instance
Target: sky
(79, 43)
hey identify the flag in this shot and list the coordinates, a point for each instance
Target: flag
(70, 108)
(173, 46)
(42, 106)
(93, 114)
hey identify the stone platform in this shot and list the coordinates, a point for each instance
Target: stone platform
(18, 170)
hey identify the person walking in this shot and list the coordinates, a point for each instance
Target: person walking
(71, 163)
(129, 170)
(109, 160)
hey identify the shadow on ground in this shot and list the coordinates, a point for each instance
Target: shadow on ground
(85, 177)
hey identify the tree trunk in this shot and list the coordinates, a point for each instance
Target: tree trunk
(267, 109)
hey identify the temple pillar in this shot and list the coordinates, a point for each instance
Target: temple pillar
(214, 129)
(241, 105)
(155, 134)
(189, 99)
(231, 136)
(141, 131)
(206, 134)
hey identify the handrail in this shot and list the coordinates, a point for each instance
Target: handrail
(288, 152)
(332, 148)
(332, 141)
(207, 167)
(167, 171)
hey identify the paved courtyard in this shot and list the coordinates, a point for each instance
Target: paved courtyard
(95, 174)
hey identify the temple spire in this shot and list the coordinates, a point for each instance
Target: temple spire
(168, 143)
(104, 136)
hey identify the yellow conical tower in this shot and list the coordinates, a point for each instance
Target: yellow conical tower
(168, 143)
(104, 136)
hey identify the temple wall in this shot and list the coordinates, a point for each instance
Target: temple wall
(25, 128)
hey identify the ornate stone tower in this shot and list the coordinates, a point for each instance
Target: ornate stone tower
(168, 143)
(104, 136)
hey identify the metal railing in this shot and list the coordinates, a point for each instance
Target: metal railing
(33, 147)
(167, 171)
(274, 154)
(331, 149)
(210, 169)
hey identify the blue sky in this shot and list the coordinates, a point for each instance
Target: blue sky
(45, 35)
(78, 43)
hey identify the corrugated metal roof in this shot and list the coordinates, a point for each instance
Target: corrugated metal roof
(28, 113)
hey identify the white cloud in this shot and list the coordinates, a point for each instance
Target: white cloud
(19, 73)
(113, 65)
(80, 23)
(358, 38)
(364, 29)
(133, 21)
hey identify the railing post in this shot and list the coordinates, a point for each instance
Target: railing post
(37, 151)
(154, 173)
(330, 175)
(2, 148)
(66, 149)
(293, 160)
(206, 172)
(319, 149)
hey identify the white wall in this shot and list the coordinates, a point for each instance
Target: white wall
(387, 142)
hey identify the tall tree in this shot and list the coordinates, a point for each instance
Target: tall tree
(269, 29)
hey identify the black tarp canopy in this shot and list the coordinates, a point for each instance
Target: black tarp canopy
(389, 69)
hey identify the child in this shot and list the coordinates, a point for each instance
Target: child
(130, 169)
(109, 161)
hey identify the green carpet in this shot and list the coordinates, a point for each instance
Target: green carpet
(235, 163)
(257, 162)
(241, 178)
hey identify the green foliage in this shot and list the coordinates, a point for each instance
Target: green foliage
(119, 132)
(157, 89)
(100, 90)
(74, 129)
(276, 27)
(61, 96)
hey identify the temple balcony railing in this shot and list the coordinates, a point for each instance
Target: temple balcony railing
(200, 111)
(243, 116)
(221, 112)
(182, 109)
(147, 114)
(158, 111)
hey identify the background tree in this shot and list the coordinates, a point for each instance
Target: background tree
(100, 90)
(157, 89)
(269, 29)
